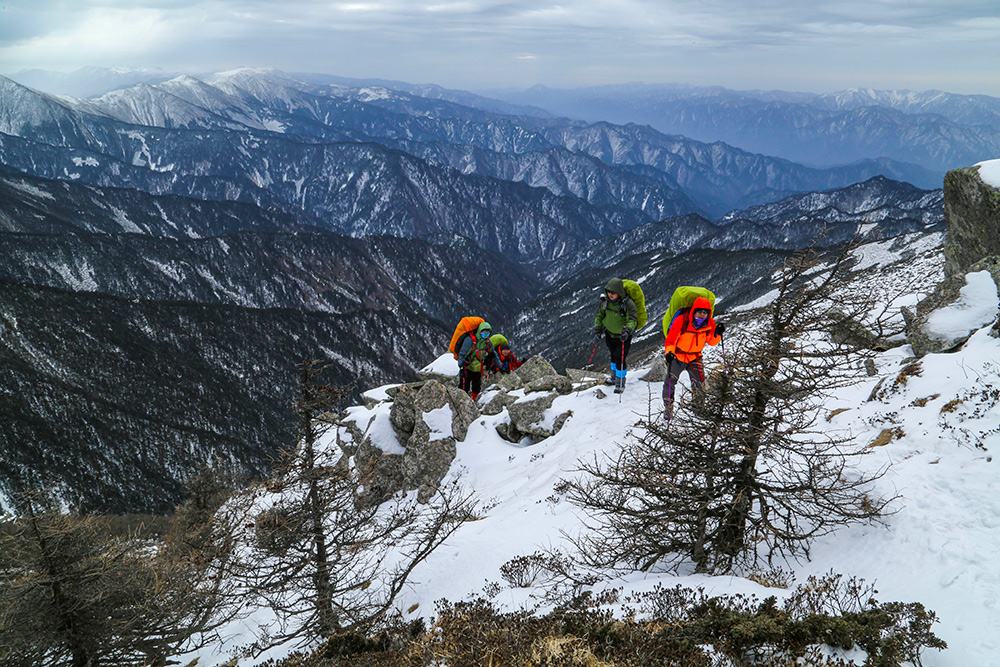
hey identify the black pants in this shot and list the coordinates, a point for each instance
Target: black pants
(470, 381)
(618, 349)
(695, 371)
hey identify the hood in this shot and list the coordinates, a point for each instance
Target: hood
(701, 302)
(617, 286)
(485, 326)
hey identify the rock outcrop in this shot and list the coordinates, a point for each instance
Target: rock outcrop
(410, 439)
(972, 213)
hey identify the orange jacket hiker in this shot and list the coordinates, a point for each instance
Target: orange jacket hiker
(685, 339)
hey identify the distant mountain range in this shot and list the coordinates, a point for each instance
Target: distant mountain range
(170, 251)
(933, 129)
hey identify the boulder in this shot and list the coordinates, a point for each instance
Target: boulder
(526, 419)
(534, 368)
(508, 382)
(845, 330)
(438, 377)
(945, 294)
(557, 383)
(426, 461)
(434, 396)
(381, 473)
(658, 371)
(580, 375)
(496, 404)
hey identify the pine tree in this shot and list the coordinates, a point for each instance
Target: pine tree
(751, 470)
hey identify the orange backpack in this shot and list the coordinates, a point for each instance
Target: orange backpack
(467, 325)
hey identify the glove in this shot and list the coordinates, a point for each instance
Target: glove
(599, 333)
(625, 334)
(719, 328)
(670, 357)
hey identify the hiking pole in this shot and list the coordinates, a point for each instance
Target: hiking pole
(590, 361)
(621, 369)
(670, 395)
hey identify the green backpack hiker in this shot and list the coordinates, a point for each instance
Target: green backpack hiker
(684, 298)
(634, 292)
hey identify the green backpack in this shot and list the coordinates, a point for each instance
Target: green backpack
(684, 298)
(634, 292)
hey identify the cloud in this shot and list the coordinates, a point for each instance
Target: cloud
(564, 42)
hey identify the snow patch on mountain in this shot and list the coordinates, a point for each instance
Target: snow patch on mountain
(989, 171)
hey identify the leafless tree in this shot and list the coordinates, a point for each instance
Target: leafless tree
(322, 557)
(751, 470)
(75, 592)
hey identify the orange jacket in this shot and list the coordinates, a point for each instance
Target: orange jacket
(686, 340)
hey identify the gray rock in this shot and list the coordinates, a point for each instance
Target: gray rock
(845, 330)
(600, 394)
(509, 382)
(557, 383)
(434, 396)
(403, 413)
(945, 294)
(426, 461)
(508, 432)
(357, 438)
(464, 411)
(535, 368)
(658, 371)
(382, 474)
(579, 375)
(412, 387)
(972, 212)
(443, 379)
(525, 418)
(498, 403)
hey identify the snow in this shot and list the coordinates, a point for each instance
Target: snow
(32, 190)
(439, 421)
(989, 172)
(443, 365)
(976, 307)
(379, 394)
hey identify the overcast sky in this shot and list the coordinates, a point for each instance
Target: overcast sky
(807, 45)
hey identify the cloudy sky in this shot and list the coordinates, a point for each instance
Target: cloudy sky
(808, 45)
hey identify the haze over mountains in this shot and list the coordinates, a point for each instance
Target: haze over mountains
(188, 241)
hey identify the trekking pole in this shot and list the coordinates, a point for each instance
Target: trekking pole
(589, 361)
(670, 395)
(621, 369)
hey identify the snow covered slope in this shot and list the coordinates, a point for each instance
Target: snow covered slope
(933, 423)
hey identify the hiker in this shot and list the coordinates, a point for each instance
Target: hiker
(476, 354)
(689, 331)
(616, 321)
(506, 361)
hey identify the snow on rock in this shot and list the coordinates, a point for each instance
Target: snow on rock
(976, 307)
(443, 365)
(989, 171)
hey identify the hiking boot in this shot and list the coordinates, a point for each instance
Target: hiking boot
(620, 389)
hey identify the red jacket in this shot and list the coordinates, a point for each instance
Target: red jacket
(686, 340)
